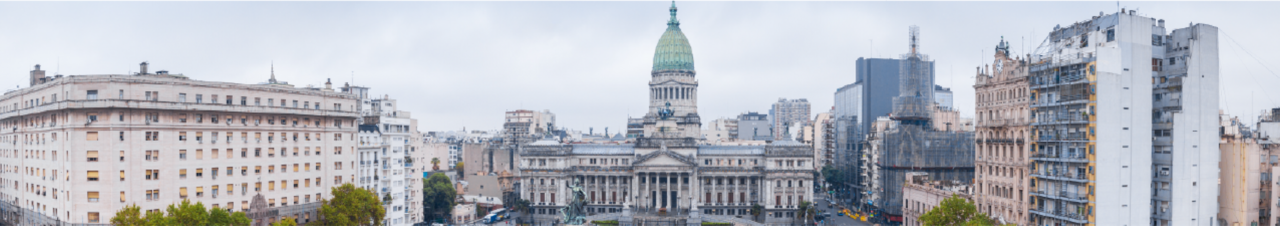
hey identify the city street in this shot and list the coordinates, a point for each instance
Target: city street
(838, 220)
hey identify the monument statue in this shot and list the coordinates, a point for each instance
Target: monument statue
(575, 213)
(666, 113)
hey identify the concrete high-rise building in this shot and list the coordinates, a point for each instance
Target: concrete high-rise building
(1003, 138)
(788, 113)
(89, 145)
(391, 133)
(754, 126)
(1245, 173)
(1094, 86)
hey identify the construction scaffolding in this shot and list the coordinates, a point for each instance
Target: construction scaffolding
(946, 156)
(908, 143)
(915, 99)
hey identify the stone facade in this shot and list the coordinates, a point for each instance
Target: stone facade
(79, 148)
(919, 195)
(1003, 147)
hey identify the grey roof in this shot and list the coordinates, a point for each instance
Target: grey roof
(730, 150)
(369, 128)
(603, 149)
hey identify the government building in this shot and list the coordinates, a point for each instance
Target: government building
(669, 176)
(78, 148)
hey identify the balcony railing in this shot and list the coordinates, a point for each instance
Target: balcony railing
(1063, 215)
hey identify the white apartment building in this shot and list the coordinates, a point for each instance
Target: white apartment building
(1129, 112)
(390, 170)
(79, 148)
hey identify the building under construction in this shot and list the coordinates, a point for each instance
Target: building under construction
(906, 142)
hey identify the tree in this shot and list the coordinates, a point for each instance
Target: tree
(831, 174)
(756, 210)
(288, 221)
(352, 206)
(955, 210)
(806, 211)
(458, 167)
(435, 164)
(184, 213)
(129, 216)
(437, 197)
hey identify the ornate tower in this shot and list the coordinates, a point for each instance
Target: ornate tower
(673, 89)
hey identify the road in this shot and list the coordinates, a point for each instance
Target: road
(839, 220)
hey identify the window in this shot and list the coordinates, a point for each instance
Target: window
(93, 196)
(122, 196)
(182, 174)
(92, 156)
(295, 103)
(182, 154)
(92, 175)
(92, 95)
(182, 97)
(229, 97)
(121, 156)
(93, 217)
(182, 192)
(93, 117)
(257, 101)
(1111, 35)
(244, 100)
(182, 136)
(199, 98)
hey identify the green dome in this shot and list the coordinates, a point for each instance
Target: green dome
(673, 52)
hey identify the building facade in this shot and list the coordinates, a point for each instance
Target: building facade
(754, 126)
(1103, 91)
(1003, 138)
(392, 171)
(790, 114)
(170, 138)
(666, 174)
(920, 195)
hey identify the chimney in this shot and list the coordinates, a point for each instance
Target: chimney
(37, 76)
(328, 84)
(143, 67)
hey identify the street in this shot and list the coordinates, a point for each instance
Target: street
(834, 219)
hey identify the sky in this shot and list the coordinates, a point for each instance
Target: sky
(458, 65)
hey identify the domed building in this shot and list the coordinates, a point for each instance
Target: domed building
(669, 176)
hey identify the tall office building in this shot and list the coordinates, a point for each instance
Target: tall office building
(167, 137)
(1094, 88)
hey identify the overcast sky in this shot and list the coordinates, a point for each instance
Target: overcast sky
(462, 64)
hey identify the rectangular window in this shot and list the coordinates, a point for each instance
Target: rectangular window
(92, 156)
(182, 97)
(1111, 35)
(91, 95)
(93, 217)
(257, 101)
(92, 175)
(182, 192)
(229, 98)
(244, 100)
(91, 136)
(199, 98)
(93, 196)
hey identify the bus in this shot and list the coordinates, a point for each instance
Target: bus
(495, 216)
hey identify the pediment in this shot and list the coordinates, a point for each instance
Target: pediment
(664, 158)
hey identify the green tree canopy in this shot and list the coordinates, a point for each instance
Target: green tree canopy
(184, 213)
(288, 221)
(352, 206)
(437, 197)
(955, 210)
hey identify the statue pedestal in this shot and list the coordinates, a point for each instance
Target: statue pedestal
(695, 217)
(626, 219)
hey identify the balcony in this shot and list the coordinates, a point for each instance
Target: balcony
(1062, 119)
(1063, 195)
(1069, 137)
(1063, 215)
(1002, 122)
(1061, 177)
(1065, 157)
